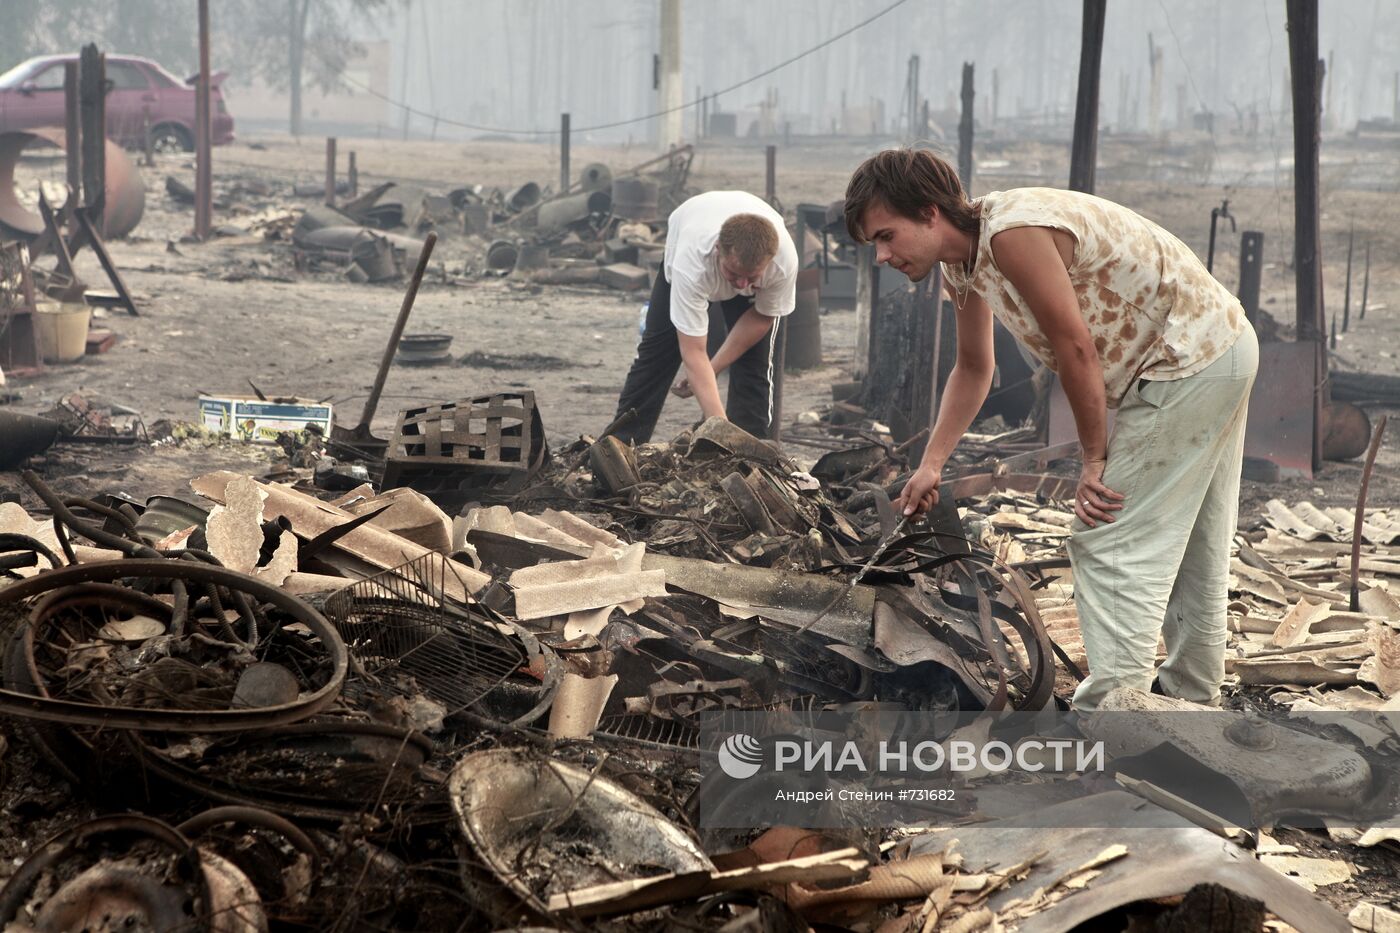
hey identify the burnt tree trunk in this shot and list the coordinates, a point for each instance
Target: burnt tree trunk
(965, 129)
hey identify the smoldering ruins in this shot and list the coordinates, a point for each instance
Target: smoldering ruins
(333, 600)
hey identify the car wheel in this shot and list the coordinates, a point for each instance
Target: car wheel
(170, 137)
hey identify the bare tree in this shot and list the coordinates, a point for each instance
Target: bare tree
(299, 43)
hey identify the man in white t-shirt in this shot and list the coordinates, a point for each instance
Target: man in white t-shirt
(729, 247)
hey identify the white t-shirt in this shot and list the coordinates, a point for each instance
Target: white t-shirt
(692, 260)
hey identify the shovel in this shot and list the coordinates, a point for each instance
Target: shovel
(359, 439)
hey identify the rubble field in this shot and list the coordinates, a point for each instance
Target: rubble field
(471, 663)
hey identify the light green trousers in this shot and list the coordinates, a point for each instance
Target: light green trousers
(1163, 567)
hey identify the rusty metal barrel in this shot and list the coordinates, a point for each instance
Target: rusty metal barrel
(635, 198)
(804, 325)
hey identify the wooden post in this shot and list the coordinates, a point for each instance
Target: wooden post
(352, 175)
(965, 129)
(1311, 326)
(1346, 295)
(330, 171)
(865, 295)
(92, 106)
(1084, 150)
(1365, 285)
(770, 183)
(148, 145)
(1251, 270)
(204, 174)
(72, 128)
(563, 152)
(1123, 93)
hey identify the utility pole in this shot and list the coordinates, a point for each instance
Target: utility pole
(672, 122)
(403, 69)
(1084, 152)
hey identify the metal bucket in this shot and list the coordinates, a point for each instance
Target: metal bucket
(532, 257)
(501, 255)
(635, 198)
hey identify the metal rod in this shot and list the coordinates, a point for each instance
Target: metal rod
(1361, 514)
(352, 175)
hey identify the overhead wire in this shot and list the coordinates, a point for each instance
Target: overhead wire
(408, 108)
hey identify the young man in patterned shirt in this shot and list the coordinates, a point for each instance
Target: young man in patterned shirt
(1130, 320)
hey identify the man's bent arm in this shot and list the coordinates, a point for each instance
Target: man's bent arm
(753, 325)
(701, 375)
(963, 395)
(968, 383)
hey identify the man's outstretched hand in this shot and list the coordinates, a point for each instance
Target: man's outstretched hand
(920, 492)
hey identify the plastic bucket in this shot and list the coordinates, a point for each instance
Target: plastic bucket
(62, 330)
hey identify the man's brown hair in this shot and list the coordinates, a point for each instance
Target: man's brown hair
(910, 182)
(749, 239)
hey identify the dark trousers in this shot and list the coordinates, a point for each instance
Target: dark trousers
(750, 402)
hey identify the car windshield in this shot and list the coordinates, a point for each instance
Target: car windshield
(17, 75)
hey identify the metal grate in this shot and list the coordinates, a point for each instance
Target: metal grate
(407, 639)
(458, 451)
(499, 432)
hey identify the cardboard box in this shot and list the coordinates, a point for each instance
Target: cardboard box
(253, 419)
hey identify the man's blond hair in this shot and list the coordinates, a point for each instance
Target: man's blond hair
(749, 239)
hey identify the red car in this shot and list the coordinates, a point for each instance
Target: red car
(140, 94)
